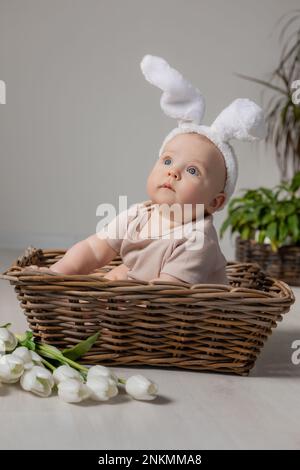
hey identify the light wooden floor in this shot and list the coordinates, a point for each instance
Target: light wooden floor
(194, 411)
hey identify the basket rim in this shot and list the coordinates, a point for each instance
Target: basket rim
(17, 276)
(266, 246)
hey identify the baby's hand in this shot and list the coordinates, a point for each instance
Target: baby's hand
(118, 273)
(43, 269)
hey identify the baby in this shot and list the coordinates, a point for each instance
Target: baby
(196, 168)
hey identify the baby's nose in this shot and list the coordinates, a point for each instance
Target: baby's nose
(174, 172)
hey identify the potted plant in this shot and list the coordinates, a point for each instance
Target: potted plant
(268, 220)
(268, 225)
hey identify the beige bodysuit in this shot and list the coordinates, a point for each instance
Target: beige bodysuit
(189, 252)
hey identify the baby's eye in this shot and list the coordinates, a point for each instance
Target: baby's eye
(167, 161)
(193, 170)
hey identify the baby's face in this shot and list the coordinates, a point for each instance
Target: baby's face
(195, 169)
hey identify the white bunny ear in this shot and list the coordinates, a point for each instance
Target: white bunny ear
(242, 119)
(180, 100)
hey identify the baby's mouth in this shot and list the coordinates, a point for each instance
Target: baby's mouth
(167, 186)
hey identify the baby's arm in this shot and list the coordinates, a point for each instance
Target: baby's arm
(85, 256)
(82, 258)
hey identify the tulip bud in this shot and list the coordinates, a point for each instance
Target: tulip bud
(72, 391)
(11, 368)
(140, 388)
(102, 388)
(66, 372)
(8, 341)
(101, 371)
(38, 380)
(29, 358)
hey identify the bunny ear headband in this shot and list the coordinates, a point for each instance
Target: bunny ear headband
(242, 119)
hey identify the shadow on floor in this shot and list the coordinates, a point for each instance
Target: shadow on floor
(275, 359)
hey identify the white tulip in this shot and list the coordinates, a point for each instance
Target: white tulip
(102, 388)
(140, 388)
(66, 372)
(29, 358)
(38, 380)
(11, 368)
(72, 391)
(8, 341)
(101, 371)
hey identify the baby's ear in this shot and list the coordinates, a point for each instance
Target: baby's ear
(217, 202)
(242, 120)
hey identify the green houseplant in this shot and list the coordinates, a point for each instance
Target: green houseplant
(267, 215)
(267, 222)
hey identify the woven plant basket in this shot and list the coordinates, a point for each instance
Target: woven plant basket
(204, 327)
(283, 264)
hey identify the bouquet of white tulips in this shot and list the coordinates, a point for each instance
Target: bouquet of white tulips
(42, 368)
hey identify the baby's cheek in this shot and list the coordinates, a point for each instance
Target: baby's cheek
(192, 193)
(152, 182)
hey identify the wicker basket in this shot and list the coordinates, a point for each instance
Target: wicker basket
(207, 327)
(283, 264)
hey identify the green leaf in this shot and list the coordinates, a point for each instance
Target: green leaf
(224, 226)
(261, 236)
(295, 184)
(286, 208)
(283, 232)
(293, 224)
(271, 231)
(7, 325)
(268, 193)
(245, 235)
(284, 185)
(27, 340)
(267, 219)
(80, 348)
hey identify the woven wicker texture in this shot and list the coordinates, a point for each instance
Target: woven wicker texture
(204, 327)
(283, 264)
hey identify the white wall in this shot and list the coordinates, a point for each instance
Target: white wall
(82, 126)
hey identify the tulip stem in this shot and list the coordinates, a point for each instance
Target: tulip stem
(50, 366)
(57, 355)
(60, 357)
(74, 364)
